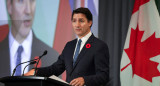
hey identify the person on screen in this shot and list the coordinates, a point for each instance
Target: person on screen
(21, 44)
(85, 59)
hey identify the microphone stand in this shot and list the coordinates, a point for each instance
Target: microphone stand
(20, 64)
(45, 52)
(37, 65)
(28, 65)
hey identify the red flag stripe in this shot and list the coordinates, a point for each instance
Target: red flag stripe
(4, 29)
(82, 3)
(64, 31)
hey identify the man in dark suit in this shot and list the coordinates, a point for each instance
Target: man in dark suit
(85, 59)
(20, 34)
(38, 48)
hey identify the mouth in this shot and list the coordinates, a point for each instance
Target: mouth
(27, 23)
(78, 29)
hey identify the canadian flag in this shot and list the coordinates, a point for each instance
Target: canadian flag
(141, 55)
(4, 28)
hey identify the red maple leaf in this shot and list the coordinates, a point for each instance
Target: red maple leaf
(140, 53)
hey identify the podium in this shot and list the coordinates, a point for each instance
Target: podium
(30, 81)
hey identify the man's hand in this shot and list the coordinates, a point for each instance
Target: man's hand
(30, 73)
(77, 82)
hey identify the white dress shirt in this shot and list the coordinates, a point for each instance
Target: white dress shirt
(84, 40)
(26, 54)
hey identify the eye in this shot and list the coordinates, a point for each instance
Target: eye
(81, 20)
(74, 20)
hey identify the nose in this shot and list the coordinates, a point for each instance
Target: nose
(28, 7)
(77, 24)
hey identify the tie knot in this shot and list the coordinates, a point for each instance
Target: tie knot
(20, 49)
(79, 41)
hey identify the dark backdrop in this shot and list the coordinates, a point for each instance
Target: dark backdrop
(114, 19)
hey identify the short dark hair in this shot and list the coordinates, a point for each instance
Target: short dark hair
(84, 11)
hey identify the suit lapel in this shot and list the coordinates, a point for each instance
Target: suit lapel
(73, 45)
(83, 51)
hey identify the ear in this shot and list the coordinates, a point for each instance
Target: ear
(90, 23)
(9, 6)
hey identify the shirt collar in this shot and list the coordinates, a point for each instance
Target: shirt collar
(86, 37)
(13, 44)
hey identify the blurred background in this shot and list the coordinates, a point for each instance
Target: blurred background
(52, 25)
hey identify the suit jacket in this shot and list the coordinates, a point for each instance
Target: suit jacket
(92, 63)
(38, 47)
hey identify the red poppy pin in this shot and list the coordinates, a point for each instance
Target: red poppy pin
(88, 45)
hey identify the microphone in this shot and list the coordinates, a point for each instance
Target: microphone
(45, 52)
(28, 65)
(20, 64)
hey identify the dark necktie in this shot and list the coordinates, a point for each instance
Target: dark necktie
(18, 61)
(77, 51)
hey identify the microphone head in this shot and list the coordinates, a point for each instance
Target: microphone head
(45, 52)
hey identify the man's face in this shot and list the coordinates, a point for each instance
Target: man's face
(22, 15)
(81, 25)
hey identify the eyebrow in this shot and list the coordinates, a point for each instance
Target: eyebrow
(78, 18)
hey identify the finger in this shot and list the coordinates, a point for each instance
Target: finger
(74, 82)
(77, 84)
